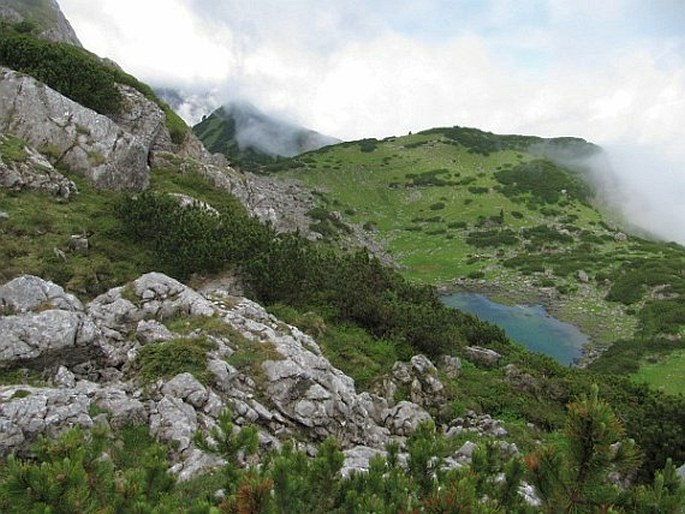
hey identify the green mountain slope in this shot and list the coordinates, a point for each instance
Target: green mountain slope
(42, 17)
(464, 207)
(435, 202)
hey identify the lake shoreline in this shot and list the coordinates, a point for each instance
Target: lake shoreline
(526, 294)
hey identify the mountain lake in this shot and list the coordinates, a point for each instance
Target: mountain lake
(529, 325)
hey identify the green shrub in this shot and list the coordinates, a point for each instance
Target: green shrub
(543, 181)
(175, 124)
(368, 145)
(430, 178)
(72, 71)
(543, 234)
(492, 238)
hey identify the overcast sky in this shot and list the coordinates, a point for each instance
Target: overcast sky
(610, 71)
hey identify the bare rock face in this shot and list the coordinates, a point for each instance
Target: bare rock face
(405, 417)
(72, 135)
(47, 326)
(45, 337)
(304, 387)
(28, 292)
(358, 459)
(419, 379)
(483, 425)
(190, 148)
(90, 354)
(141, 117)
(450, 365)
(26, 412)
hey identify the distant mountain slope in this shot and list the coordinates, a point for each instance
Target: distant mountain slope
(247, 136)
(45, 15)
(440, 188)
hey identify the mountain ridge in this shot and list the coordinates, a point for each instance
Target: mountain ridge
(244, 134)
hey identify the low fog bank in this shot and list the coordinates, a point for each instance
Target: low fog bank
(643, 187)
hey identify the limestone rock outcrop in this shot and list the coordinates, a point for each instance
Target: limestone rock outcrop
(484, 356)
(86, 142)
(89, 359)
(139, 116)
(28, 293)
(418, 379)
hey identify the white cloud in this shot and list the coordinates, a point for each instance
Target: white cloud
(160, 41)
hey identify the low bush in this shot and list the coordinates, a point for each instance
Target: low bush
(492, 238)
(437, 178)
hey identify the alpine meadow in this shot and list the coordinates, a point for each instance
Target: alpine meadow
(238, 314)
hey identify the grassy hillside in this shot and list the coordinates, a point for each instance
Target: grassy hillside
(438, 206)
(464, 204)
(38, 226)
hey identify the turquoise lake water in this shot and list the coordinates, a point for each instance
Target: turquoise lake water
(529, 325)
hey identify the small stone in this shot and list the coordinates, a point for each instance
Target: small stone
(466, 451)
(152, 331)
(401, 372)
(482, 355)
(499, 432)
(78, 243)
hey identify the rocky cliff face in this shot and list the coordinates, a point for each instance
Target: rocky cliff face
(270, 374)
(46, 14)
(71, 135)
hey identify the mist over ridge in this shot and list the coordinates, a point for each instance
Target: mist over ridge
(644, 187)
